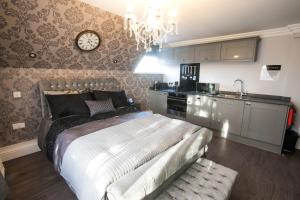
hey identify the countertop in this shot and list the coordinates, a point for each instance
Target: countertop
(261, 98)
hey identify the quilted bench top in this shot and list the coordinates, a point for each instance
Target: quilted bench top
(204, 180)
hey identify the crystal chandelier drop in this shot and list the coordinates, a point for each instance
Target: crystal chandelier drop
(152, 29)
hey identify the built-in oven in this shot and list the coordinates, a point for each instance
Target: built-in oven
(177, 104)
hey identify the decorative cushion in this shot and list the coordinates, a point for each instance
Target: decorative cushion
(100, 106)
(68, 104)
(119, 98)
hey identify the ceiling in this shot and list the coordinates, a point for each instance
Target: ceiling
(209, 18)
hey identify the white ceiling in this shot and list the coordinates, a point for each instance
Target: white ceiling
(208, 18)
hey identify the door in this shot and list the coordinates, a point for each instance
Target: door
(264, 122)
(208, 52)
(199, 110)
(158, 102)
(227, 116)
(239, 50)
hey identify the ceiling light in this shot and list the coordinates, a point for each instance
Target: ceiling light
(152, 29)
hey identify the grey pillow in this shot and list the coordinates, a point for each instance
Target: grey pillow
(100, 106)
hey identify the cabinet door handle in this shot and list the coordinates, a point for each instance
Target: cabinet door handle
(248, 103)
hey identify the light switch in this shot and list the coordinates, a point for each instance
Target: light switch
(18, 125)
(17, 94)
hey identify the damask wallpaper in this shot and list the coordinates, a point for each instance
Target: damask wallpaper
(48, 28)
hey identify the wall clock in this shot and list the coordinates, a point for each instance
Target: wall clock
(88, 40)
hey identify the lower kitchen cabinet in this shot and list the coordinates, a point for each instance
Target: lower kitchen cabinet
(257, 124)
(264, 122)
(158, 102)
(227, 116)
(199, 110)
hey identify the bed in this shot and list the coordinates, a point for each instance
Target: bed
(121, 154)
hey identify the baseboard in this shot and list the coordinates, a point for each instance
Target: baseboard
(18, 150)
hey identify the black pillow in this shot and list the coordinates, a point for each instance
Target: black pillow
(119, 98)
(68, 104)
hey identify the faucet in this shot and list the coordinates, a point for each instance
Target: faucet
(242, 93)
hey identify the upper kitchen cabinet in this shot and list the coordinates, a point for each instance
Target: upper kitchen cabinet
(242, 50)
(166, 56)
(239, 50)
(184, 54)
(208, 52)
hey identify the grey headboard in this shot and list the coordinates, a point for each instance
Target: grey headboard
(74, 85)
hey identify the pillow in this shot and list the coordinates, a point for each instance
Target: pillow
(68, 104)
(101, 106)
(54, 92)
(119, 98)
(101, 95)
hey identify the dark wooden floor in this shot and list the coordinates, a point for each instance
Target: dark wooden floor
(262, 175)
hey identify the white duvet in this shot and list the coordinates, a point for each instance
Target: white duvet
(93, 162)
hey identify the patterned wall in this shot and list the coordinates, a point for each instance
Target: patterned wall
(48, 28)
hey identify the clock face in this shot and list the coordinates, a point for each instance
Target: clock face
(88, 40)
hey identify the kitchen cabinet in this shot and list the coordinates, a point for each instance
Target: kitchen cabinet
(184, 54)
(158, 102)
(232, 50)
(199, 110)
(247, 121)
(208, 52)
(239, 50)
(227, 116)
(166, 56)
(264, 122)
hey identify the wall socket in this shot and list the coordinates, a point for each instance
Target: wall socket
(18, 125)
(17, 94)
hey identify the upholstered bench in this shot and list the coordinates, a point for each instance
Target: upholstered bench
(204, 180)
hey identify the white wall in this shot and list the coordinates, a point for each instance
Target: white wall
(283, 50)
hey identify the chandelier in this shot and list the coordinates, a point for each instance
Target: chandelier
(152, 29)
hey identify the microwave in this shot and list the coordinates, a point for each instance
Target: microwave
(208, 88)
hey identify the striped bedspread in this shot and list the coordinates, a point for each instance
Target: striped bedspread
(93, 162)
